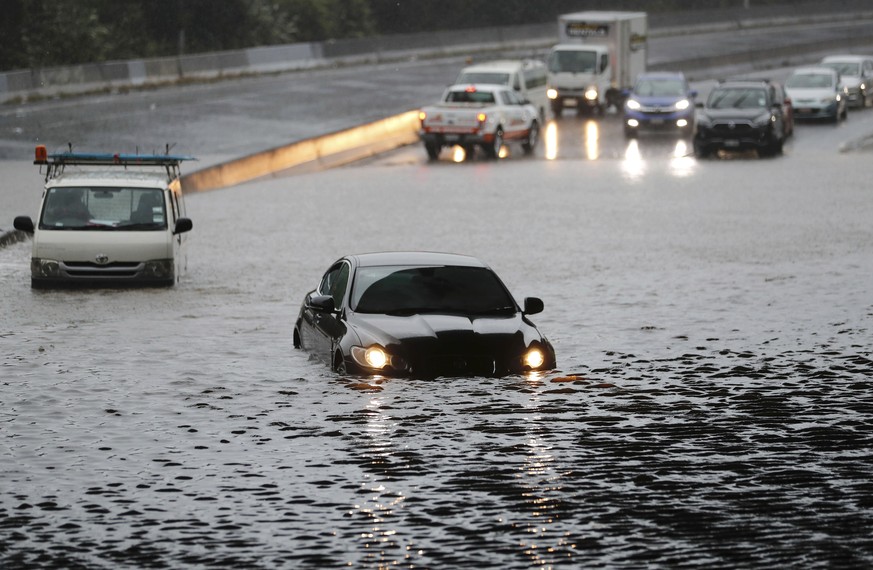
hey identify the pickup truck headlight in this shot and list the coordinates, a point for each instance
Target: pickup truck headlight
(591, 93)
(552, 93)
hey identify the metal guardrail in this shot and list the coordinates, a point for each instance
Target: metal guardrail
(23, 85)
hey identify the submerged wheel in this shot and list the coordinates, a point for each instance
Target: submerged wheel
(433, 150)
(557, 108)
(533, 136)
(339, 363)
(700, 150)
(493, 149)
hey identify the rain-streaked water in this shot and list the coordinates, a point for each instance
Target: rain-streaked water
(712, 408)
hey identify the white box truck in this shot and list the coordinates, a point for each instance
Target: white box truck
(599, 55)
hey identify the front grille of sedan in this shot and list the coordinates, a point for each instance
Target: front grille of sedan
(656, 110)
(457, 364)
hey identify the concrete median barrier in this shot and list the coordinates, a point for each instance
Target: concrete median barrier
(325, 151)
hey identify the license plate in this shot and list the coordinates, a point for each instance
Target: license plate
(657, 121)
(804, 111)
(451, 138)
(733, 143)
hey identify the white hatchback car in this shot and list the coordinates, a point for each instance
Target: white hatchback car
(856, 73)
(817, 93)
(108, 219)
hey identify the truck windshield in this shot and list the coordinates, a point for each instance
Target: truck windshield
(103, 208)
(572, 61)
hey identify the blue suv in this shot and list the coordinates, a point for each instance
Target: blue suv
(660, 101)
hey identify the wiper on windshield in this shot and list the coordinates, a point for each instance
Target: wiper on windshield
(407, 311)
(494, 311)
(140, 226)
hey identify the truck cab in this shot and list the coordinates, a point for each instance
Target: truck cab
(579, 76)
(108, 219)
(597, 59)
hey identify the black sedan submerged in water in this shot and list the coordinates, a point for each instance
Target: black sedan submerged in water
(420, 314)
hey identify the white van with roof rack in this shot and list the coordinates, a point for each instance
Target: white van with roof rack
(528, 77)
(108, 219)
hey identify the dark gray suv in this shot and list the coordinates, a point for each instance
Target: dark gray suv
(741, 115)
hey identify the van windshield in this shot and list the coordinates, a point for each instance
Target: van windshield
(104, 208)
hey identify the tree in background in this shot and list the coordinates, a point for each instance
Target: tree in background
(44, 33)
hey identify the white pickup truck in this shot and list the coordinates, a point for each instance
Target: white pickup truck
(481, 115)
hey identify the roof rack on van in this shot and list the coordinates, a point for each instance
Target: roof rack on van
(56, 162)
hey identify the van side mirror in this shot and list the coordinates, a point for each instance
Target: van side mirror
(183, 225)
(23, 224)
(533, 305)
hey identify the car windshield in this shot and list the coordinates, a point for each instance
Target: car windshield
(408, 290)
(810, 81)
(103, 208)
(493, 78)
(660, 88)
(574, 61)
(737, 98)
(845, 67)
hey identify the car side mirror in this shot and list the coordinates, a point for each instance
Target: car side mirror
(533, 305)
(183, 225)
(323, 303)
(23, 224)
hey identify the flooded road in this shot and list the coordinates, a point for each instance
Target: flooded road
(712, 406)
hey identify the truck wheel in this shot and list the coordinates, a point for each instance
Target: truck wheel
(533, 136)
(433, 150)
(493, 150)
(557, 108)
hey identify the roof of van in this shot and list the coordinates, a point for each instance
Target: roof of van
(846, 57)
(121, 177)
(504, 65)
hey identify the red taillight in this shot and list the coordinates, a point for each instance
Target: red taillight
(470, 89)
(40, 154)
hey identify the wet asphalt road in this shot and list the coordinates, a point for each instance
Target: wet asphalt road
(712, 406)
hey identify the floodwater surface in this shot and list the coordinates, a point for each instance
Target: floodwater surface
(712, 405)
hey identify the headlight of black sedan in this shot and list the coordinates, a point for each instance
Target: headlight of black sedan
(376, 358)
